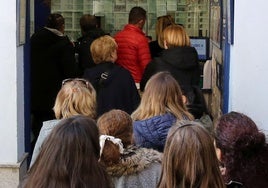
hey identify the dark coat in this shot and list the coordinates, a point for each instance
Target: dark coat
(181, 62)
(82, 48)
(52, 60)
(155, 49)
(118, 91)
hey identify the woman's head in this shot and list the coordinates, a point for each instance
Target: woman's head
(242, 146)
(136, 15)
(69, 156)
(162, 94)
(118, 124)
(76, 96)
(189, 158)
(87, 23)
(104, 49)
(55, 21)
(174, 36)
(161, 24)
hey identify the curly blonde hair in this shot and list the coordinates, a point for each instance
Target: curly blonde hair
(102, 49)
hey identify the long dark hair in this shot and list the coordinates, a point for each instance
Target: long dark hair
(244, 152)
(69, 157)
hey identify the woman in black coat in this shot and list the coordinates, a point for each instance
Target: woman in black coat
(52, 60)
(115, 86)
(180, 59)
(157, 46)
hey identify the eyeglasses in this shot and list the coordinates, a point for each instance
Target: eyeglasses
(85, 82)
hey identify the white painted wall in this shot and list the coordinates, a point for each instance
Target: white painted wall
(249, 61)
(11, 87)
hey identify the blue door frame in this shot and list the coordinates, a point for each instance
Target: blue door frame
(41, 11)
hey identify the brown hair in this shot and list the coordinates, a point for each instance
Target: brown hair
(243, 149)
(88, 22)
(189, 158)
(175, 35)
(55, 21)
(69, 157)
(118, 124)
(162, 94)
(161, 24)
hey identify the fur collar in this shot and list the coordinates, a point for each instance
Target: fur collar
(134, 160)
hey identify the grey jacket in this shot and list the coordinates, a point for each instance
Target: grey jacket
(137, 168)
(44, 132)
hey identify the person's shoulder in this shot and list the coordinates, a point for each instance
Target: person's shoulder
(187, 49)
(153, 155)
(50, 124)
(154, 44)
(153, 120)
(157, 60)
(121, 70)
(90, 72)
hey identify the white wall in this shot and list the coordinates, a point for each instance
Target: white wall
(249, 61)
(11, 87)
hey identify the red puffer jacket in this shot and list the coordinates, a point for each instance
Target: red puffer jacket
(133, 50)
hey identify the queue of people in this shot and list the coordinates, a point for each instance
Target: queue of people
(121, 118)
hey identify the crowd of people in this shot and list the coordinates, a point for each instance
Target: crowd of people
(121, 114)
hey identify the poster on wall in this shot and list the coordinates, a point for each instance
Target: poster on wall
(215, 22)
(21, 31)
(230, 21)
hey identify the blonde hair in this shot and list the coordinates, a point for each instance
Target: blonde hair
(175, 35)
(161, 24)
(116, 123)
(76, 96)
(102, 49)
(162, 94)
(189, 158)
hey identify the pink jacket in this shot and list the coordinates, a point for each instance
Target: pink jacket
(133, 50)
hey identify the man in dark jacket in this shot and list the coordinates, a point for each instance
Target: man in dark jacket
(90, 31)
(52, 60)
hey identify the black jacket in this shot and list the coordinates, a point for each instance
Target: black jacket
(52, 60)
(82, 48)
(118, 91)
(155, 49)
(181, 62)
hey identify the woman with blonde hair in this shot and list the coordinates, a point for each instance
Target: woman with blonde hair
(189, 159)
(162, 104)
(157, 46)
(76, 96)
(181, 60)
(115, 86)
(128, 165)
